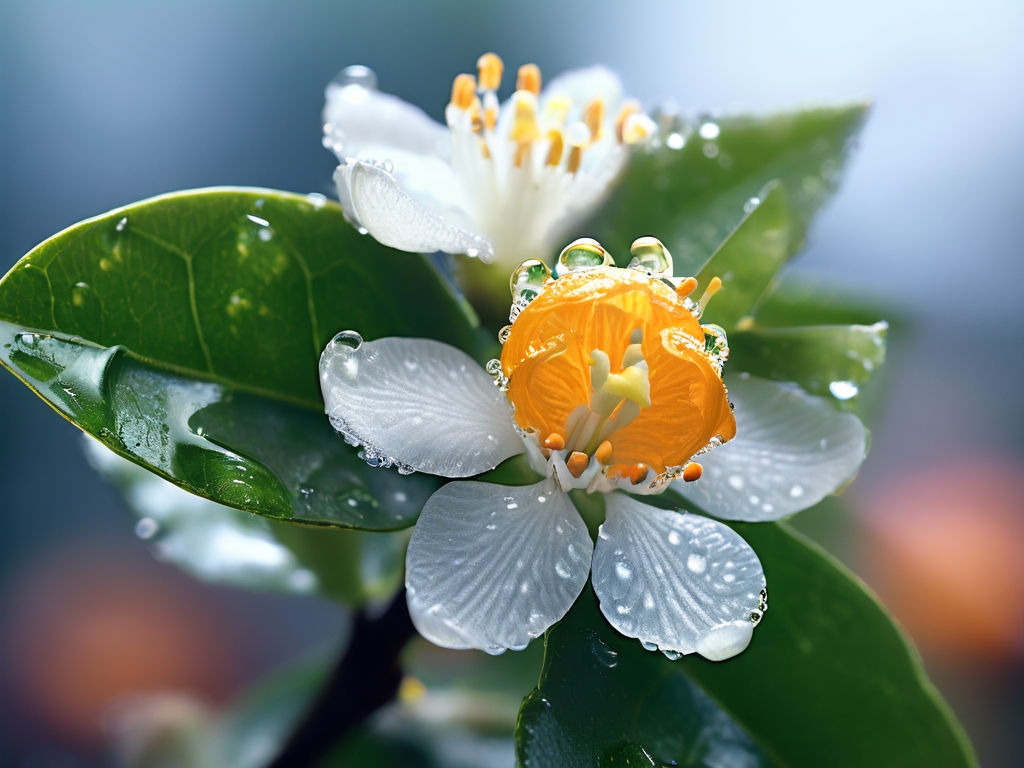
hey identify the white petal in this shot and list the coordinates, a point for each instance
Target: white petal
(376, 200)
(790, 451)
(358, 119)
(419, 404)
(585, 84)
(493, 566)
(681, 582)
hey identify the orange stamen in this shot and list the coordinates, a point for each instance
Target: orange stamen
(463, 91)
(686, 287)
(637, 473)
(593, 117)
(528, 79)
(603, 454)
(711, 290)
(629, 108)
(489, 68)
(692, 471)
(556, 147)
(575, 158)
(577, 462)
(554, 442)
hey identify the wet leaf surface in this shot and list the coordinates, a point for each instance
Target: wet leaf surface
(184, 332)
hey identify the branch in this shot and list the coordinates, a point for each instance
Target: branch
(365, 678)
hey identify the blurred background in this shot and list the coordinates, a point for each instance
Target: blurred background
(108, 102)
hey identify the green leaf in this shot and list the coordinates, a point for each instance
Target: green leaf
(603, 700)
(229, 546)
(801, 302)
(827, 680)
(184, 332)
(692, 197)
(819, 358)
(749, 258)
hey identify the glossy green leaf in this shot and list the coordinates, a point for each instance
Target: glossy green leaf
(802, 302)
(603, 700)
(697, 184)
(823, 359)
(749, 259)
(184, 332)
(827, 680)
(229, 546)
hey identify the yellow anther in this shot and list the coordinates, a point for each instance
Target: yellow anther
(575, 158)
(489, 68)
(528, 79)
(556, 111)
(692, 471)
(463, 91)
(711, 290)
(524, 123)
(485, 151)
(554, 442)
(603, 454)
(637, 473)
(631, 384)
(637, 128)
(490, 117)
(555, 147)
(686, 287)
(631, 107)
(745, 323)
(593, 117)
(577, 462)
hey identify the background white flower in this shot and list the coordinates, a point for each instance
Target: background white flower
(501, 181)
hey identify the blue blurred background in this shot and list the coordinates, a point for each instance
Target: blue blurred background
(107, 102)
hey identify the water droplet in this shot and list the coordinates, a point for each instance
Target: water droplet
(697, 563)
(257, 220)
(357, 75)
(843, 390)
(675, 141)
(528, 278)
(672, 655)
(726, 640)
(674, 538)
(651, 255)
(709, 130)
(265, 234)
(796, 491)
(623, 571)
(735, 481)
(121, 225)
(79, 294)
(751, 204)
(562, 569)
(729, 578)
(349, 339)
(648, 601)
(504, 333)
(585, 253)
(472, 253)
(146, 528)
(710, 150)
(648, 645)
(362, 230)
(317, 200)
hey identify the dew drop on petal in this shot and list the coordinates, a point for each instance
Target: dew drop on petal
(697, 563)
(358, 75)
(726, 640)
(843, 390)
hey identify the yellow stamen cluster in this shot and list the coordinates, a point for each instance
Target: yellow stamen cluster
(566, 144)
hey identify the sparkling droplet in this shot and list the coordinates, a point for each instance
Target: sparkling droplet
(528, 278)
(146, 528)
(796, 491)
(358, 75)
(585, 253)
(651, 255)
(751, 204)
(675, 141)
(843, 390)
(349, 339)
(562, 570)
(122, 224)
(726, 640)
(623, 571)
(697, 563)
(504, 333)
(709, 131)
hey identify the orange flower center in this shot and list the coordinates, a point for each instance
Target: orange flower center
(611, 364)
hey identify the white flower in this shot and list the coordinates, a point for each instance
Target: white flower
(608, 382)
(500, 181)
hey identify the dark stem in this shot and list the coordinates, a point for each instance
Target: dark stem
(365, 678)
